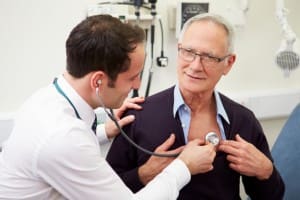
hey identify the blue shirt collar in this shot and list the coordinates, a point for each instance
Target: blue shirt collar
(179, 102)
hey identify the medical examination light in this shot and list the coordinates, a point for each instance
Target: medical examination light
(286, 58)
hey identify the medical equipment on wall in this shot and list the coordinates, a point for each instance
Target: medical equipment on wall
(287, 57)
(234, 11)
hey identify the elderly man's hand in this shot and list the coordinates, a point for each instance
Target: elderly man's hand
(246, 159)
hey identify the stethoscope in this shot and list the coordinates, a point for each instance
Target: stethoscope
(211, 137)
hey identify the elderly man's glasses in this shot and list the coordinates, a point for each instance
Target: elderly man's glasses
(189, 55)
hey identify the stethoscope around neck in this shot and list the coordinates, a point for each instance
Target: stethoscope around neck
(60, 91)
(111, 115)
(211, 137)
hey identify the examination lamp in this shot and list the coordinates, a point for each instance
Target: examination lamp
(287, 58)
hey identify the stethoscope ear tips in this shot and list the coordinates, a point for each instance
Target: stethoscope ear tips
(212, 138)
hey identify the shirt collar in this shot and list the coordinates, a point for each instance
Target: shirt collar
(179, 102)
(84, 110)
(220, 107)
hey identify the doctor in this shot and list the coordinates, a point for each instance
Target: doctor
(53, 152)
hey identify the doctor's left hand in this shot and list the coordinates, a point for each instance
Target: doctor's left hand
(131, 103)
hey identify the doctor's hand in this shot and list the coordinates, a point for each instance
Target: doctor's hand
(246, 159)
(131, 103)
(155, 164)
(198, 157)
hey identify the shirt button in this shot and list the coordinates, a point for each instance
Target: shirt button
(183, 125)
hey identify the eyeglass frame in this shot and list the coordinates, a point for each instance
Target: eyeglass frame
(201, 55)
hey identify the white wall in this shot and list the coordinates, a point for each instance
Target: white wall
(32, 38)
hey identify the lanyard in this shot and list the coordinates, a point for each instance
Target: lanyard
(60, 91)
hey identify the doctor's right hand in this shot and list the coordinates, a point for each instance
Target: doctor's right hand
(198, 157)
(155, 164)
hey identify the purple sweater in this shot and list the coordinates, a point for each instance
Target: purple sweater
(153, 125)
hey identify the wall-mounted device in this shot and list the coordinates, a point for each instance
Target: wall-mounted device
(188, 9)
(234, 11)
(122, 11)
(287, 57)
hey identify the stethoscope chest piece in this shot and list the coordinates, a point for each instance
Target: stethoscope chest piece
(212, 138)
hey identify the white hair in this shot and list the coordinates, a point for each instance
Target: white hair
(217, 19)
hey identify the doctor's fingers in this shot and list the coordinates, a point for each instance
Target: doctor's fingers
(206, 152)
(132, 103)
(126, 120)
(199, 158)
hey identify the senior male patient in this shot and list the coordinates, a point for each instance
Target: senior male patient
(191, 109)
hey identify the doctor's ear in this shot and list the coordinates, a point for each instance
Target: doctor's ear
(99, 82)
(97, 78)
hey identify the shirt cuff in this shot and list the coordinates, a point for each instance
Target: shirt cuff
(101, 134)
(179, 170)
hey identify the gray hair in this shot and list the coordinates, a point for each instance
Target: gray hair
(217, 19)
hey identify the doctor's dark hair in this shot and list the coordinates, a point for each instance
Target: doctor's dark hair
(101, 42)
